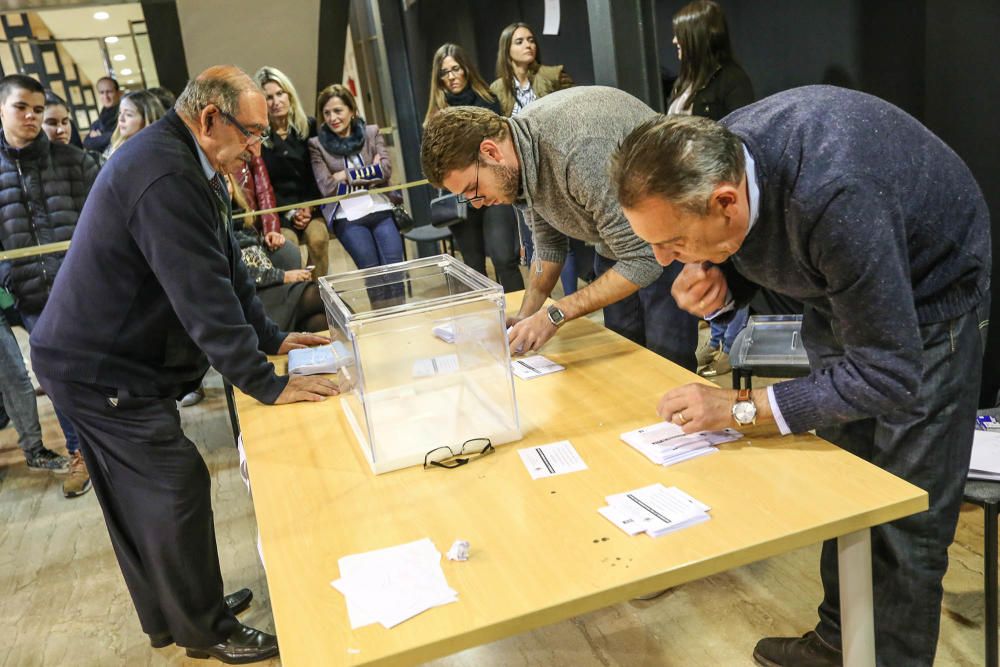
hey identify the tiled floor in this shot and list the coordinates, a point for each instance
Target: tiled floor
(63, 601)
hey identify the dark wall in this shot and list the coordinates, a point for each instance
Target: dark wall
(166, 44)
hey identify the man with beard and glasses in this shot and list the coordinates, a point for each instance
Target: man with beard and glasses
(152, 292)
(551, 161)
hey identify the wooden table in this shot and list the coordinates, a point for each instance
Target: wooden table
(540, 551)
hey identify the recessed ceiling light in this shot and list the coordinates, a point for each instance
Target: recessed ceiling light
(102, 16)
(118, 57)
(126, 71)
(111, 39)
(130, 81)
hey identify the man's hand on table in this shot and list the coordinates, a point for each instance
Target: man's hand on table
(306, 388)
(701, 407)
(530, 333)
(296, 340)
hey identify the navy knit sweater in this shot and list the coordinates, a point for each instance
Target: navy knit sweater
(872, 220)
(152, 289)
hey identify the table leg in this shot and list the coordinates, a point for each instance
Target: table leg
(854, 553)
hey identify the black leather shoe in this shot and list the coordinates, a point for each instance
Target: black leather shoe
(243, 646)
(805, 651)
(237, 602)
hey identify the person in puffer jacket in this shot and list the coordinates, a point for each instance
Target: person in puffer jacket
(42, 189)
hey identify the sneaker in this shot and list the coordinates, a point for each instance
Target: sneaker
(46, 460)
(78, 482)
(808, 649)
(705, 353)
(719, 366)
(193, 397)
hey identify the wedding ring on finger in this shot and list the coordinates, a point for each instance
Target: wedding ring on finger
(681, 416)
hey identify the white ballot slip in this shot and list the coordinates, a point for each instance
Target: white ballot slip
(442, 365)
(985, 463)
(666, 443)
(557, 458)
(323, 359)
(655, 510)
(534, 366)
(445, 332)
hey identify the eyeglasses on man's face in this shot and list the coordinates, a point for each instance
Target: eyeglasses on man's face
(446, 457)
(252, 138)
(462, 199)
(453, 71)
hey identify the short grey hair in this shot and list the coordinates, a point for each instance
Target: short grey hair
(679, 158)
(220, 85)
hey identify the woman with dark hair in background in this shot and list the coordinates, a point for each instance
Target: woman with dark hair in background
(710, 84)
(522, 79)
(492, 231)
(56, 122)
(349, 155)
(287, 160)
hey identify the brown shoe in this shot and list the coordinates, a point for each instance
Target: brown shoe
(719, 366)
(805, 651)
(705, 354)
(78, 482)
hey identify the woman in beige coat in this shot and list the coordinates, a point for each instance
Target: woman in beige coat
(521, 77)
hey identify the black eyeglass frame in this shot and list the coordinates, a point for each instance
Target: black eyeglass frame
(462, 199)
(456, 460)
(252, 137)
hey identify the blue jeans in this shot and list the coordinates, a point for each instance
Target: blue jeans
(18, 395)
(651, 317)
(928, 443)
(373, 241)
(723, 334)
(69, 432)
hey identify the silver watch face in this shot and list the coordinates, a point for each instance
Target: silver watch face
(744, 412)
(556, 316)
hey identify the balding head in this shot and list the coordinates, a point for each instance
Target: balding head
(225, 110)
(221, 85)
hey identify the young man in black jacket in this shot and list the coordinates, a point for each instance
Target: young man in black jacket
(153, 290)
(42, 189)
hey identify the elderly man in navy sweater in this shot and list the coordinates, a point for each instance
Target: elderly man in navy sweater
(152, 291)
(846, 203)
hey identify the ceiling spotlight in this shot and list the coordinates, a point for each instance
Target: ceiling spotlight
(118, 57)
(126, 71)
(130, 81)
(111, 39)
(102, 16)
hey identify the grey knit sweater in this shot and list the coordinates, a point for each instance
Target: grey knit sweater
(564, 142)
(872, 220)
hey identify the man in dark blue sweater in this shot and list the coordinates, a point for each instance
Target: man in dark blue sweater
(846, 203)
(151, 292)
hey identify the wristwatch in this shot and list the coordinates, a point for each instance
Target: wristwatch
(556, 316)
(744, 410)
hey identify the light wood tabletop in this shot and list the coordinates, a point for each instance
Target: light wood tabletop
(540, 552)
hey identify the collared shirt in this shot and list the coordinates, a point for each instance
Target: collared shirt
(523, 95)
(215, 180)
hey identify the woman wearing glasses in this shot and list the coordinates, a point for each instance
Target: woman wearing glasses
(490, 231)
(286, 155)
(348, 155)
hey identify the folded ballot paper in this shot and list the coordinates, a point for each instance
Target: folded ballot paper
(655, 510)
(666, 443)
(445, 332)
(323, 359)
(390, 585)
(985, 463)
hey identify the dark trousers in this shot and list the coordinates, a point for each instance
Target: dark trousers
(155, 492)
(928, 443)
(651, 317)
(491, 231)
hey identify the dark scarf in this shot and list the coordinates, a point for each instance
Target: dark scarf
(466, 98)
(343, 146)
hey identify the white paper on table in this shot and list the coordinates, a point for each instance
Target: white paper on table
(442, 365)
(445, 332)
(985, 452)
(534, 366)
(551, 25)
(661, 509)
(357, 207)
(557, 458)
(393, 584)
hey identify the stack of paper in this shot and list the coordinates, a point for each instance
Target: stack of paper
(985, 463)
(445, 332)
(323, 359)
(534, 366)
(391, 585)
(666, 443)
(654, 510)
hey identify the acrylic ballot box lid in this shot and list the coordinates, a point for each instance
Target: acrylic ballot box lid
(769, 341)
(428, 360)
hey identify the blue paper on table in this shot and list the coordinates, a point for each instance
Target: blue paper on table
(324, 359)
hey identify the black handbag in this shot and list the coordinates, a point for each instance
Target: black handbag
(447, 210)
(403, 220)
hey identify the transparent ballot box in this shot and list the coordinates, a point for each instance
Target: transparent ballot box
(427, 358)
